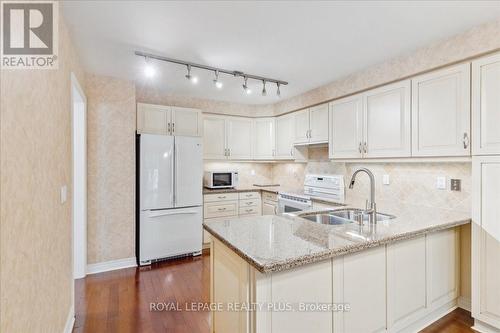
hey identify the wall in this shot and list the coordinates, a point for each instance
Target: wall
(35, 161)
(111, 168)
(476, 41)
(249, 173)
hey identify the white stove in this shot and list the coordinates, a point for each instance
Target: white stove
(318, 186)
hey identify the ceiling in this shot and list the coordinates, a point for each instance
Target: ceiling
(305, 43)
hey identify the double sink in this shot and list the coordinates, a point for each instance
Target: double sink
(345, 216)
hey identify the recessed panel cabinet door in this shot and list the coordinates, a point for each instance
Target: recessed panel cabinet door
(318, 116)
(153, 119)
(387, 121)
(186, 122)
(441, 112)
(214, 137)
(346, 127)
(239, 138)
(265, 136)
(301, 124)
(284, 136)
(486, 240)
(486, 105)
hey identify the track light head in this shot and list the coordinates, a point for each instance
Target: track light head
(190, 77)
(245, 86)
(264, 91)
(217, 83)
(278, 92)
(149, 70)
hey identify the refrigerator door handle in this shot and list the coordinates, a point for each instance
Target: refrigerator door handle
(171, 212)
(174, 170)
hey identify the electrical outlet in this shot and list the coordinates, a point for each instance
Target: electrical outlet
(441, 183)
(64, 193)
(386, 180)
(456, 184)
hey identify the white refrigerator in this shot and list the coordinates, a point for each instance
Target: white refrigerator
(170, 176)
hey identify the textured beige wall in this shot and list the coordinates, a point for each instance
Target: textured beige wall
(111, 168)
(154, 96)
(35, 228)
(476, 41)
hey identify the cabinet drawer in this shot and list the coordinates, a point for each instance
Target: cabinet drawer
(220, 197)
(249, 195)
(249, 203)
(244, 211)
(220, 209)
(269, 196)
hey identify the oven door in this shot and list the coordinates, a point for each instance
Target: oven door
(291, 206)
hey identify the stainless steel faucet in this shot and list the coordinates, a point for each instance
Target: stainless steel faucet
(372, 210)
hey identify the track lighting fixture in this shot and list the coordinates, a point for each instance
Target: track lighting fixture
(150, 72)
(217, 83)
(190, 77)
(245, 86)
(278, 92)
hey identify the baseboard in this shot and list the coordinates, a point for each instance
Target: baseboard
(430, 317)
(482, 327)
(70, 321)
(464, 303)
(111, 265)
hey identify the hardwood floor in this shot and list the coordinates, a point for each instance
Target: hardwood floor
(119, 301)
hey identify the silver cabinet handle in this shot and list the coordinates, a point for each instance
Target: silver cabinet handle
(221, 197)
(173, 128)
(359, 148)
(221, 209)
(168, 128)
(248, 210)
(366, 147)
(310, 133)
(466, 140)
(225, 152)
(249, 203)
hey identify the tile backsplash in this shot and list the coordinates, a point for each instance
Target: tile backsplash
(410, 183)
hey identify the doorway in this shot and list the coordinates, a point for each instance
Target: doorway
(79, 148)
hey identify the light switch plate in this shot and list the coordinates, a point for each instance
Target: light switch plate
(64, 193)
(386, 180)
(441, 183)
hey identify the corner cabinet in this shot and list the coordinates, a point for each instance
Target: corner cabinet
(486, 105)
(486, 242)
(374, 124)
(168, 120)
(441, 112)
(311, 125)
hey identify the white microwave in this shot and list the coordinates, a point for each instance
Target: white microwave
(220, 179)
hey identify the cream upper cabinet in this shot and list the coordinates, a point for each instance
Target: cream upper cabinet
(441, 112)
(318, 124)
(284, 136)
(486, 240)
(240, 136)
(301, 126)
(387, 130)
(214, 137)
(185, 121)
(153, 119)
(265, 136)
(346, 127)
(486, 105)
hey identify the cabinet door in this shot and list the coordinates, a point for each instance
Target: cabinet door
(406, 283)
(318, 124)
(239, 138)
(265, 135)
(441, 112)
(486, 240)
(346, 127)
(186, 122)
(268, 208)
(361, 276)
(486, 105)
(214, 137)
(284, 136)
(442, 267)
(387, 121)
(153, 119)
(301, 126)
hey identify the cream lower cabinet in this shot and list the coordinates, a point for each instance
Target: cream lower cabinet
(486, 243)
(441, 112)
(486, 105)
(269, 203)
(399, 287)
(168, 120)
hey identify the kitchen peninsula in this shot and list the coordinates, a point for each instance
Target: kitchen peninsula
(399, 274)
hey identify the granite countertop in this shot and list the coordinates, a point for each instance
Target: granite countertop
(275, 243)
